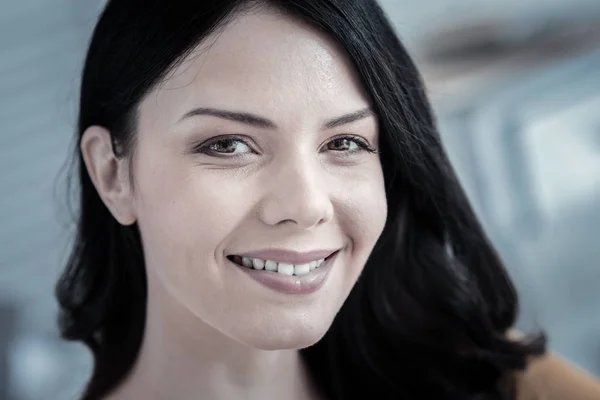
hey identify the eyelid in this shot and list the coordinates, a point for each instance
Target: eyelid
(364, 143)
(202, 147)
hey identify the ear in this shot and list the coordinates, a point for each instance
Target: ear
(109, 174)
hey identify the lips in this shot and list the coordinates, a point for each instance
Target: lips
(285, 278)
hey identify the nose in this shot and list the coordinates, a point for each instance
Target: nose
(296, 193)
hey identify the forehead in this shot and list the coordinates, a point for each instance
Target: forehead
(266, 63)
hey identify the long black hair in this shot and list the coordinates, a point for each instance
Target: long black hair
(428, 317)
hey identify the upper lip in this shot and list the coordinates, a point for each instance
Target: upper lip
(288, 256)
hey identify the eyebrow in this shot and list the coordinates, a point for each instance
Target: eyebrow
(261, 122)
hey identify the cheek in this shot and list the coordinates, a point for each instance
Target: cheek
(364, 210)
(184, 216)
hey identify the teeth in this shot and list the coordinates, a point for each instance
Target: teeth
(270, 265)
(257, 263)
(301, 269)
(285, 269)
(282, 268)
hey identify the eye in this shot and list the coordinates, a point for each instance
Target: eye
(225, 147)
(349, 144)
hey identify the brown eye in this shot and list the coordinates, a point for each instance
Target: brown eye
(350, 145)
(228, 146)
(225, 146)
(343, 144)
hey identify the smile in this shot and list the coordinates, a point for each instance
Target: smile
(276, 270)
(278, 267)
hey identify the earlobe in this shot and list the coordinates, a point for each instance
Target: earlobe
(108, 173)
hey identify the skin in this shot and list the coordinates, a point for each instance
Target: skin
(211, 330)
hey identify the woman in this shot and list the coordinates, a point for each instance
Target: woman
(267, 212)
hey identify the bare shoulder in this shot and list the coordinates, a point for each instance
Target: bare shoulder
(551, 377)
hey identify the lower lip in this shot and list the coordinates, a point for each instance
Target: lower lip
(291, 284)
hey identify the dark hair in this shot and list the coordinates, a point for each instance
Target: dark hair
(429, 316)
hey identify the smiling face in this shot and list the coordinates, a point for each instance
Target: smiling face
(258, 146)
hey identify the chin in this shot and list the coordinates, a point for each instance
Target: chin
(287, 340)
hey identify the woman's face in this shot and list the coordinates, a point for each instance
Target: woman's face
(254, 147)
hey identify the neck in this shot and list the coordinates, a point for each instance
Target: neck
(182, 357)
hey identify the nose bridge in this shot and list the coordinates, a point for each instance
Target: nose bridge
(297, 192)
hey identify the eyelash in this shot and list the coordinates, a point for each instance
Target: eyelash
(204, 148)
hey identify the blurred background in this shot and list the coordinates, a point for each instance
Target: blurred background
(516, 87)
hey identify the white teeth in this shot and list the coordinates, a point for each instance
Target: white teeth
(285, 269)
(257, 263)
(270, 265)
(301, 269)
(282, 268)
